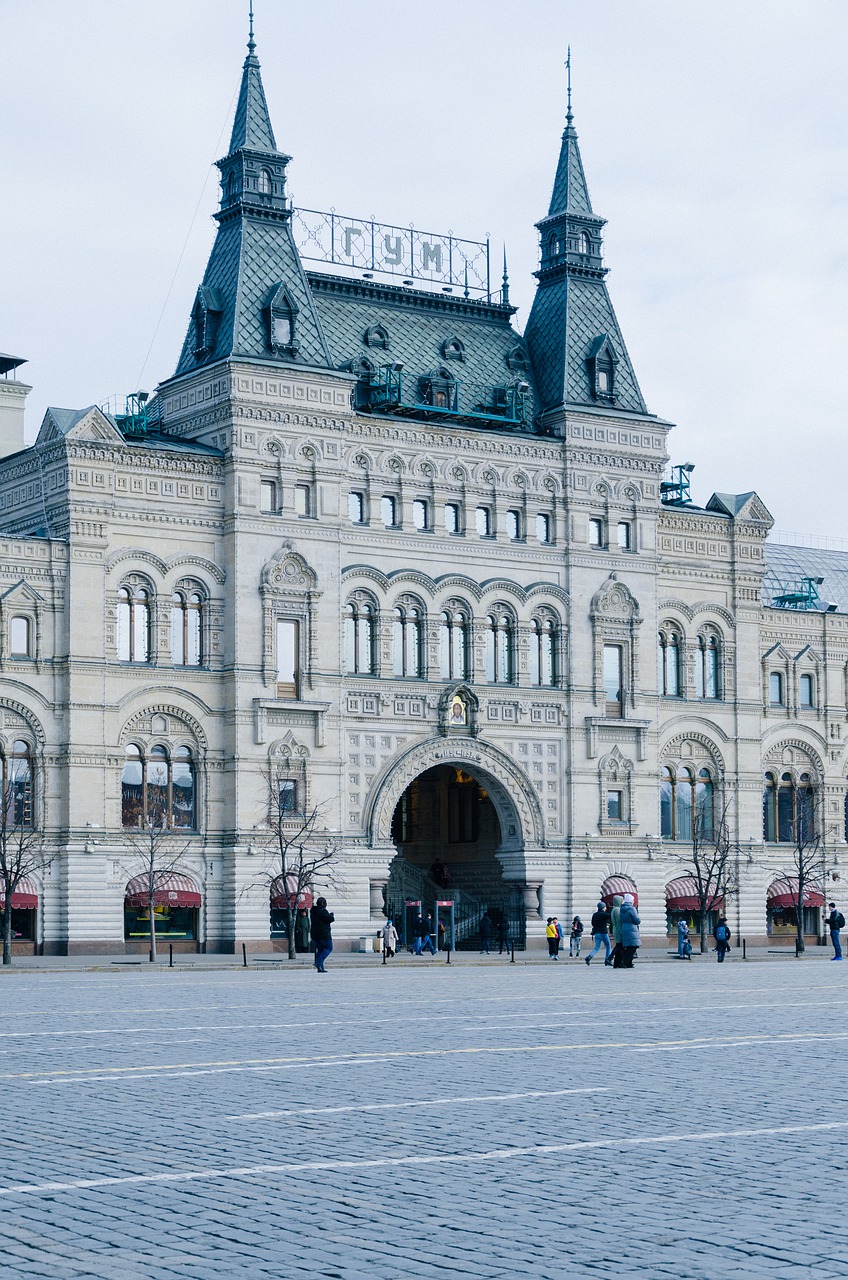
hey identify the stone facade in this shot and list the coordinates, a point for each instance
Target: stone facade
(95, 508)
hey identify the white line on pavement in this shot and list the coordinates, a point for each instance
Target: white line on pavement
(381, 1162)
(399, 1106)
(82, 1075)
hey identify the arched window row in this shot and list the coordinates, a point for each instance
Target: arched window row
(455, 625)
(789, 807)
(687, 803)
(135, 617)
(705, 653)
(158, 788)
(18, 781)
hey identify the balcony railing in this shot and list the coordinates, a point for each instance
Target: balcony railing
(387, 391)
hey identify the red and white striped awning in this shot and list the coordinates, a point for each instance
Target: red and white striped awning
(25, 897)
(783, 894)
(618, 885)
(281, 900)
(682, 895)
(171, 890)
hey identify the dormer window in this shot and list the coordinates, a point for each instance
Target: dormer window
(207, 311)
(232, 185)
(377, 336)
(264, 183)
(516, 359)
(440, 390)
(453, 349)
(584, 244)
(601, 362)
(282, 319)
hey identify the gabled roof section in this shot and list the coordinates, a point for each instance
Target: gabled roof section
(741, 506)
(21, 590)
(78, 424)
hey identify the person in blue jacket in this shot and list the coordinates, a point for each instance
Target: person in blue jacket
(630, 938)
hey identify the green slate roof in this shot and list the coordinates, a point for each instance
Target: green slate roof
(570, 191)
(252, 127)
(418, 325)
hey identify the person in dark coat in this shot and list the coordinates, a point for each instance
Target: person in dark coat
(503, 935)
(574, 939)
(600, 933)
(617, 957)
(322, 935)
(425, 940)
(721, 933)
(485, 933)
(835, 922)
(630, 939)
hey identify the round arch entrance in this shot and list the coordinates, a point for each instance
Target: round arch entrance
(451, 846)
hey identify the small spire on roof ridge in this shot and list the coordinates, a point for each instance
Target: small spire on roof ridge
(465, 293)
(251, 43)
(505, 289)
(568, 115)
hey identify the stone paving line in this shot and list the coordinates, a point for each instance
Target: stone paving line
(493, 1121)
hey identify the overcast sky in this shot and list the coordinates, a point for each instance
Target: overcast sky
(714, 137)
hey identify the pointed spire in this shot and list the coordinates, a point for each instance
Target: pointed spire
(505, 288)
(252, 124)
(570, 191)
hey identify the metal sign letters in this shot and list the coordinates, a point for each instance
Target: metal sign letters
(421, 257)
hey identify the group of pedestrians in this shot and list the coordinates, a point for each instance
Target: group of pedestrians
(621, 923)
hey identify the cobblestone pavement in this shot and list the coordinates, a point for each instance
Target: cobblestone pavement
(499, 1121)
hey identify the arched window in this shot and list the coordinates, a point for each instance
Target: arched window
(670, 663)
(231, 184)
(158, 789)
(187, 629)
(706, 667)
(499, 649)
(806, 691)
(789, 808)
(18, 786)
(133, 635)
(406, 642)
(359, 638)
(543, 652)
(687, 804)
(264, 183)
(585, 243)
(453, 645)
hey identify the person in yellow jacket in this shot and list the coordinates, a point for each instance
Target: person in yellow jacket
(552, 935)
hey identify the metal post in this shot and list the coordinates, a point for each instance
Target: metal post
(744, 948)
(170, 955)
(384, 953)
(244, 953)
(512, 957)
(449, 951)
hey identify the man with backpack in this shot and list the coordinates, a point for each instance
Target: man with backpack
(835, 922)
(721, 933)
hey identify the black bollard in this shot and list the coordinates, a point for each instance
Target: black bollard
(744, 948)
(170, 955)
(512, 957)
(384, 955)
(244, 953)
(448, 951)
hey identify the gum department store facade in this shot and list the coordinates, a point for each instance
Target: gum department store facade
(422, 564)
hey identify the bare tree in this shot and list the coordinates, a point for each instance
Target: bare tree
(807, 855)
(23, 850)
(300, 852)
(710, 862)
(154, 856)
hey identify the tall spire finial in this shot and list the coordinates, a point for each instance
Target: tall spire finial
(251, 43)
(568, 116)
(505, 289)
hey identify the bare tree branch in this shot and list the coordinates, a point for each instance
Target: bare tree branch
(23, 852)
(710, 861)
(153, 857)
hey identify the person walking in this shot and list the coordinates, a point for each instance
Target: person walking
(835, 922)
(503, 934)
(574, 939)
(684, 946)
(721, 933)
(600, 933)
(426, 941)
(321, 921)
(615, 926)
(552, 937)
(390, 939)
(485, 933)
(630, 938)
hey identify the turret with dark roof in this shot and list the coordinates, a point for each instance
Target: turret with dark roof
(254, 301)
(578, 354)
